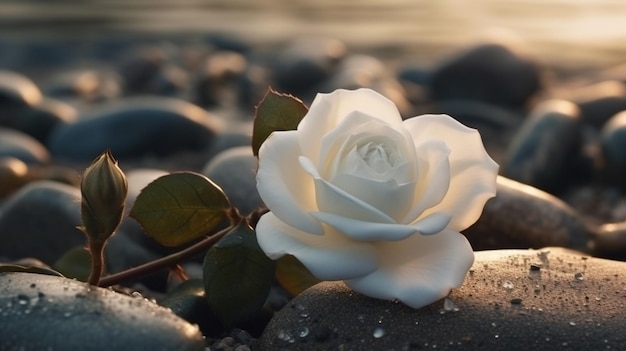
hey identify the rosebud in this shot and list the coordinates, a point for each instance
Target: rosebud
(103, 188)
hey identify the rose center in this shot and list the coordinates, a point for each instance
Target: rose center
(379, 157)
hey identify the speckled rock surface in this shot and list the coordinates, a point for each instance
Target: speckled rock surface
(511, 300)
(40, 312)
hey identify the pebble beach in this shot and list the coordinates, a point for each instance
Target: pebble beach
(174, 87)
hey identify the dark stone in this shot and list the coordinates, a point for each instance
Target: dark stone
(491, 73)
(40, 221)
(16, 144)
(546, 149)
(89, 85)
(40, 120)
(306, 63)
(140, 70)
(600, 101)
(521, 216)
(136, 128)
(13, 174)
(613, 141)
(364, 71)
(219, 79)
(66, 314)
(17, 90)
(234, 170)
(560, 307)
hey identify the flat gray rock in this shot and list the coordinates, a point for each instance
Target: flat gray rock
(511, 300)
(41, 312)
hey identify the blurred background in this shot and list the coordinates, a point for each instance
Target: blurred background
(574, 34)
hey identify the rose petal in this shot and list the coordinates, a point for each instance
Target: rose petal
(473, 172)
(371, 231)
(329, 110)
(329, 257)
(334, 200)
(285, 188)
(418, 270)
(388, 197)
(356, 127)
(433, 168)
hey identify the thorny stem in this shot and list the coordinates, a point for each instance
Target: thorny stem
(173, 259)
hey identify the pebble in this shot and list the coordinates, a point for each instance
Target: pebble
(234, 170)
(17, 90)
(546, 147)
(136, 128)
(302, 66)
(600, 101)
(613, 141)
(40, 221)
(40, 120)
(521, 216)
(502, 305)
(41, 312)
(493, 73)
(22, 146)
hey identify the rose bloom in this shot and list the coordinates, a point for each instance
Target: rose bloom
(359, 195)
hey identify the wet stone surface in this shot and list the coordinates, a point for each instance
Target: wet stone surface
(511, 300)
(40, 312)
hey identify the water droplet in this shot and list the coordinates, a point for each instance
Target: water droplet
(579, 276)
(572, 323)
(303, 332)
(136, 294)
(378, 333)
(497, 336)
(507, 284)
(449, 305)
(23, 300)
(284, 336)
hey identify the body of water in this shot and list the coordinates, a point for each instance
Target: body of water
(574, 33)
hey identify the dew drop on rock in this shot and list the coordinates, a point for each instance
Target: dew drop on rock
(579, 276)
(303, 332)
(378, 333)
(23, 300)
(572, 323)
(507, 284)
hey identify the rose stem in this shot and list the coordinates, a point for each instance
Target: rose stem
(163, 262)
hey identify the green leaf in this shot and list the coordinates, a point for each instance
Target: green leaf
(180, 207)
(76, 263)
(237, 276)
(276, 112)
(8, 267)
(293, 276)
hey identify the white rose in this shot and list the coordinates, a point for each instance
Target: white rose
(357, 194)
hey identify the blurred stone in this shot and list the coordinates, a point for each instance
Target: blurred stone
(491, 73)
(16, 144)
(70, 315)
(40, 221)
(136, 128)
(17, 90)
(306, 63)
(363, 71)
(40, 120)
(234, 170)
(600, 101)
(87, 84)
(13, 174)
(545, 150)
(217, 84)
(521, 216)
(140, 70)
(504, 304)
(613, 141)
